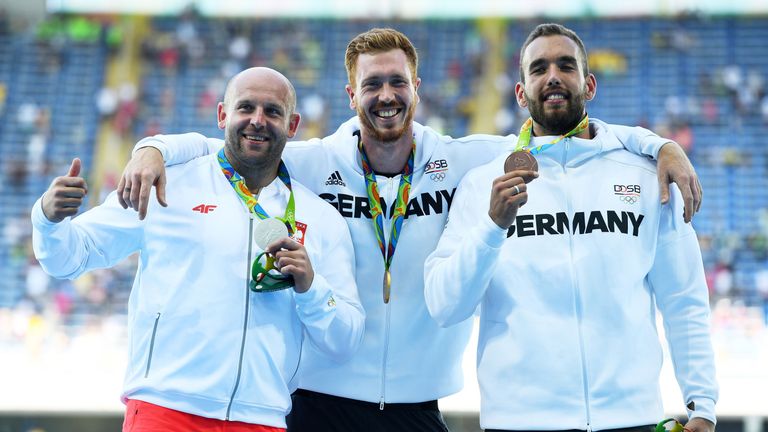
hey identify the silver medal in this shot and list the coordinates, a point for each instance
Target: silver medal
(268, 231)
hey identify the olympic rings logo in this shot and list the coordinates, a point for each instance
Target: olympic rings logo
(438, 176)
(629, 199)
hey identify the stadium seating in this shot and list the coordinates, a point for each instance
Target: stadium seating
(657, 69)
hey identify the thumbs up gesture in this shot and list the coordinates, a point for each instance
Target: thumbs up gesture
(65, 194)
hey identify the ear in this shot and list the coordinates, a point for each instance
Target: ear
(221, 115)
(351, 94)
(591, 87)
(416, 85)
(293, 124)
(520, 95)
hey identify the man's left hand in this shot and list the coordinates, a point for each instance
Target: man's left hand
(291, 259)
(674, 167)
(698, 424)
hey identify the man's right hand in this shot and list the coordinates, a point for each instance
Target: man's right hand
(145, 169)
(65, 194)
(508, 194)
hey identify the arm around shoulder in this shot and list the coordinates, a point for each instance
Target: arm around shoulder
(680, 289)
(180, 148)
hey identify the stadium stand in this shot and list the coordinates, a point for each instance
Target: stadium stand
(699, 80)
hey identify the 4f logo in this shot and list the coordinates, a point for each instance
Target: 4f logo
(204, 208)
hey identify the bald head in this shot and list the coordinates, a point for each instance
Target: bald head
(261, 77)
(257, 116)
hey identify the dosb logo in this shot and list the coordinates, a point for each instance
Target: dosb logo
(628, 194)
(436, 166)
(626, 189)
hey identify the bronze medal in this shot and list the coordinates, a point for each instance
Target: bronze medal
(521, 160)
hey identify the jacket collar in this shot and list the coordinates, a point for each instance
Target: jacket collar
(426, 142)
(575, 151)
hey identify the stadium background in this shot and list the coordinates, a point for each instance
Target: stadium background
(78, 78)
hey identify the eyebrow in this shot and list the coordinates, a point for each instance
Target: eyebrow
(383, 77)
(560, 60)
(272, 105)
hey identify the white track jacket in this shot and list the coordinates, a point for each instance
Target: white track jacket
(568, 294)
(405, 355)
(200, 341)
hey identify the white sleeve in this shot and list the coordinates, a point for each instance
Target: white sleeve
(639, 141)
(457, 273)
(99, 238)
(331, 310)
(181, 148)
(680, 290)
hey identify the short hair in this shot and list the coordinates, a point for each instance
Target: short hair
(552, 29)
(379, 40)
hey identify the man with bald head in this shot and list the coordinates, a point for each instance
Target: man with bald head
(243, 274)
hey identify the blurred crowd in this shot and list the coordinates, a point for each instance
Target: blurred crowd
(48, 311)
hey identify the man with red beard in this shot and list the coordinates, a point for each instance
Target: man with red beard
(568, 285)
(393, 181)
(215, 334)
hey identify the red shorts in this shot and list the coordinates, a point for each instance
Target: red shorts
(143, 416)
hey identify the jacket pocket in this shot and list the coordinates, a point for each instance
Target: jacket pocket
(152, 345)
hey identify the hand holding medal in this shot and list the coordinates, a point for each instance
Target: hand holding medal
(510, 191)
(265, 276)
(284, 262)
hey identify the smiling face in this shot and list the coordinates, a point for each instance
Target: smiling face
(554, 87)
(257, 117)
(384, 94)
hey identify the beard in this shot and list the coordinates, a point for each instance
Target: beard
(561, 121)
(381, 134)
(244, 159)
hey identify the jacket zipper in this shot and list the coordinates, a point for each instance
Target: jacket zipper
(389, 309)
(577, 305)
(245, 320)
(384, 358)
(152, 344)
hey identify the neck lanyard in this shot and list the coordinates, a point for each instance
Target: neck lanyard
(524, 137)
(251, 201)
(377, 214)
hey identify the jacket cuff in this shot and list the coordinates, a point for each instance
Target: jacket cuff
(655, 143)
(703, 408)
(39, 220)
(318, 299)
(490, 233)
(152, 142)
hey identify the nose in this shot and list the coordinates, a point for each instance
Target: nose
(553, 76)
(387, 93)
(258, 118)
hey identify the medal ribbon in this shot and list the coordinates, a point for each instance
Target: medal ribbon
(524, 137)
(251, 201)
(377, 214)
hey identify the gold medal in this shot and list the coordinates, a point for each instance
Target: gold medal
(387, 283)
